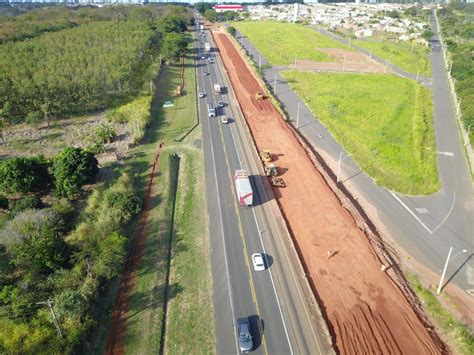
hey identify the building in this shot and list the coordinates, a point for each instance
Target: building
(222, 8)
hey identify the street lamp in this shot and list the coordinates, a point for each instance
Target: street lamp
(448, 259)
(339, 164)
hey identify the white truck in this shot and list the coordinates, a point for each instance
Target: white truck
(243, 188)
(207, 47)
(217, 89)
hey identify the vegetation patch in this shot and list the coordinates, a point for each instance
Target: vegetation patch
(387, 125)
(457, 25)
(411, 57)
(458, 333)
(280, 42)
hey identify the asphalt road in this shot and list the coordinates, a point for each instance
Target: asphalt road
(277, 300)
(425, 226)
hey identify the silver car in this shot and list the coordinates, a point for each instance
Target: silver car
(245, 337)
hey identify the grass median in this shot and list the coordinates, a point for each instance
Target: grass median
(280, 42)
(384, 121)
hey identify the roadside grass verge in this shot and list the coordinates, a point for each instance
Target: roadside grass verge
(410, 58)
(190, 251)
(384, 121)
(457, 332)
(280, 42)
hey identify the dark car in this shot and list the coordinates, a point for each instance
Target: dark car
(244, 335)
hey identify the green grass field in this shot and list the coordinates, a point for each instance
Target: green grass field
(410, 58)
(190, 280)
(279, 42)
(384, 121)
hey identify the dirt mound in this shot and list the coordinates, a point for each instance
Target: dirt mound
(366, 310)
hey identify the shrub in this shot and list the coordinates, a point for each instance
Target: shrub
(3, 202)
(73, 168)
(23, 175)
(105, 133)
(25, 203)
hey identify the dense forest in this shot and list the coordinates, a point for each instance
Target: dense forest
(59, 244)
(457, 23)
(81, 68)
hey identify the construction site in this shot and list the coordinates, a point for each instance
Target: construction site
(363, 296)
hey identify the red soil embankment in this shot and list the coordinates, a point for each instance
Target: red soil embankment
(366, 310)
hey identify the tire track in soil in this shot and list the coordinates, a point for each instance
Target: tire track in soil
(115, 340)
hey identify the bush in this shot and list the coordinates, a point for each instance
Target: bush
(3, 202)
(23, 175)
(74, 168)
(136, 114)
(105, 133)
(25, 203)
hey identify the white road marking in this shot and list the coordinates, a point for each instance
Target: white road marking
(411, 212)
(448, 154)
(421, 210)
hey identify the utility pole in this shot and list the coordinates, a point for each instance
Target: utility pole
(298, 116)
(55, 321)
(417, 75)
(344, 65)
(339, 164)
(259, 61)
(295, 60)
(388, 62)
(274, 84)
(448, 259)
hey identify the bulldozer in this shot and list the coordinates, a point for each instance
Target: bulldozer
(265, 156)
(272, 172)
(259, 96)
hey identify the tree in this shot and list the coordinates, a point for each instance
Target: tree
(427, 34)
(72, 169)
(174, 45)
(232, 31)
(34, 242)
(202, 7)
(210, 15)
(25, 203)
(22, 175)
(172, 23)
(3, 202)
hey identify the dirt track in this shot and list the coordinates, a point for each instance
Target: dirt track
(366, 311)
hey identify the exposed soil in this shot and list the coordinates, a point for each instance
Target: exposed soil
(366, 310)
(343, 61)
(116, 337)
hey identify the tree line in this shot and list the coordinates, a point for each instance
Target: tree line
(85, 67)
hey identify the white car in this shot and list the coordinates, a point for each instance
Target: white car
(201, 95)
(258, 263)
(224, 119)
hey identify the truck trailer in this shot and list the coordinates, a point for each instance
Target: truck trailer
(217, 89)
(207, 47)
(243, 188)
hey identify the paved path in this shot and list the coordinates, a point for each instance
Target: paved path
(412, 221)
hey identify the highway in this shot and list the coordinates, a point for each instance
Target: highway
(424, 226)
(277, 300)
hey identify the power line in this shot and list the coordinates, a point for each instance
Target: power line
(48, 303)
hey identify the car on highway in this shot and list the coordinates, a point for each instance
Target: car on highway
(244, 335)
(258, 263)
(206, 73)
(203, 57)
(220, 103)
(201, 95)
(211, 60)
(224, 119)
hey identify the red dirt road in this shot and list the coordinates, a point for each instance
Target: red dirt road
(366, 310)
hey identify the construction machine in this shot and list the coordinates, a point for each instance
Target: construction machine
(265, 156)
(270, 169)
(259, 96)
